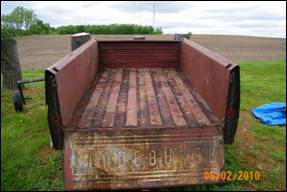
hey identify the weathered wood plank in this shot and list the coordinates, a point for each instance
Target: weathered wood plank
(132, 100)
(200, 101)
(120, 117)
(142, 97)
(100, 109)
(175, 111)
(197, 111)
(108, 120)
(162, 103)
(154, 114)
(187, 110)
(87, 114)
(144, 117)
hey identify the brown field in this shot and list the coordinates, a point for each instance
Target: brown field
(40, 51)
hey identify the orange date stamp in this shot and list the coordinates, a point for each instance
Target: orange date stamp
(232, 176)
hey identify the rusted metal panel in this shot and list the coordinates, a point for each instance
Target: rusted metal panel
(74, 74)
(139, 54)
(210, 75)
(207, 73)
(131, 159)
(54, 116)
(233, 106)
(66, 82)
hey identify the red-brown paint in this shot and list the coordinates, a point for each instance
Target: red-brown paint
(208, 73)
(138, 54)
(74, 73)
(158, 98)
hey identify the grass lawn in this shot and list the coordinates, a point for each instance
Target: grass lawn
(28, 163)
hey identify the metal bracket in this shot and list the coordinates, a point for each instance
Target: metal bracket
(22, 82)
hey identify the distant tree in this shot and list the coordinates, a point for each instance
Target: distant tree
(19, 20)
(8, 26)
(18, 15)
(8, 21)
(29, 18)
(109, 29)
(22, 21)
(188, 35)
(39, 27)
(158, 31)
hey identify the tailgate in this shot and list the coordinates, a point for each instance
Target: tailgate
(141, 158)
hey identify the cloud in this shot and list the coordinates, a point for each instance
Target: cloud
(220, 17)
(149, 6)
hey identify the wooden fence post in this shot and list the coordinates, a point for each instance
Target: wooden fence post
(10, 65)
(79, 39)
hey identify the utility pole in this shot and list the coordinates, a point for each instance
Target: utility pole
(85, 12)
(153, 17)
(140, 13)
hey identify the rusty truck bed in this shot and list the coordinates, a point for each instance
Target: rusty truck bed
(141, 98)
(130, 114)
(141, 114)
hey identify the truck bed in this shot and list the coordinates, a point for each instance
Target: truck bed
(141, 114)
(141, 98)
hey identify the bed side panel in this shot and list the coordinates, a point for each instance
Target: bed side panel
(66, 82)
(211, 75)
(74, 77)
(208, 76)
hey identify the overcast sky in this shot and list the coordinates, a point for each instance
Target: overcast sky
(231, 18)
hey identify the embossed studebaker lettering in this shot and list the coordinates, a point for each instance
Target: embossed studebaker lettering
(124, 159)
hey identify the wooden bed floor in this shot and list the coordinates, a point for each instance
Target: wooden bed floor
(141, 97)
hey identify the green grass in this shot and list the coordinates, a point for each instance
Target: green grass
(262, 82)
(23, 137)
(27, 163)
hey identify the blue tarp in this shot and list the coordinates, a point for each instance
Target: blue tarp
(271, 113)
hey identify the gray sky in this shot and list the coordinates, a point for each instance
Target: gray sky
(232, 18)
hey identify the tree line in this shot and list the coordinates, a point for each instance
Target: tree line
(109, 29)
(22, 21)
